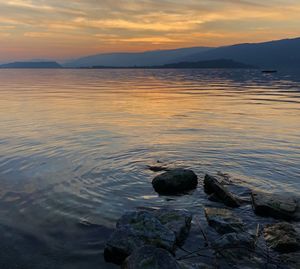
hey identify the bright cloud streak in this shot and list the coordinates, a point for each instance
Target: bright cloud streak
(66, 29)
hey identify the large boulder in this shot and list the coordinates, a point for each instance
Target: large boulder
(135, 230)
(175, 181)
(149, 257)
(213, 187)
(223, 220)
(280, 206)
(282, 237)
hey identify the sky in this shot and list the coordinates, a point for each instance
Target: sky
(66, 29)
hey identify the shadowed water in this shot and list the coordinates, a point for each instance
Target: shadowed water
(74, 146)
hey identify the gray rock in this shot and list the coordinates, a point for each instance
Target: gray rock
(280, 206)
(135, 230)
(178, 221)
(149, 257)
(282, 237)
(175, 181)
(184, 265)
(223, 220)
(292, 260)
(237, 250)
(234, 241)
(213, 186)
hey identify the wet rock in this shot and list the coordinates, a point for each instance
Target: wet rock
(213, 186)
(178, 221)
(282, 237)
(175, 181)
(135, 230)
(234, 241)
(280, 206)
(223, 220)
(291, 260)
(150, 257)
(237, 250)
(184, 265)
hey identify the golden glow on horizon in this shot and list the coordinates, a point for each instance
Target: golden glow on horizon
(66, 29)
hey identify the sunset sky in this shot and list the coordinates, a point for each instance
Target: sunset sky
(70, 28)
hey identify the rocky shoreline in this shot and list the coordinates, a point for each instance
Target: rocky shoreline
(220, 236)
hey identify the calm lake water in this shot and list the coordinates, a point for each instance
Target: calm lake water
(74, 146)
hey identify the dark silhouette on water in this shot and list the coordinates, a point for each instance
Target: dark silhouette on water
(31, 65)
(269, 71)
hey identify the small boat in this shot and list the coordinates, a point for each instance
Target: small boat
(269, 71)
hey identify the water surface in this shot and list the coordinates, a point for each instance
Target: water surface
(74, 146)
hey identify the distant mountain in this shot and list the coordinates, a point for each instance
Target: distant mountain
(273, 54)
(217, 64)
(31, 65)
(149, 58)
(221, 63)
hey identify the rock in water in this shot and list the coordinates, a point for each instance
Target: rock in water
(149, 257)
(175, 181)
(135, 230)
(213, 186)
(280, 206)
(223, 220)
(178, 221)
(237, 250)
(282, 237)
(184, 265)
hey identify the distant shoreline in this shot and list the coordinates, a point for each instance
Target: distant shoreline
(210, 64)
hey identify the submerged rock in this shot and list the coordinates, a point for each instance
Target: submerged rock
(135, 230)
(282, 237)
(223, 220)
(213, 187)
(280, 206)
(149, 257)
(157, 168)
(175, 181)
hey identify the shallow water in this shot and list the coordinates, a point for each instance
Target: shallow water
(74, 146)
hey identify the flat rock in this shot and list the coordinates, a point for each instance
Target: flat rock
(280, 206)
(175, 181)
(213, 187)
(223, 220)
(282, 237)
(149, 257)
(135, 230)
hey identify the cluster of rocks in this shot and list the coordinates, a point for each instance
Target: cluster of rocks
(164, 230)
(151, 238)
